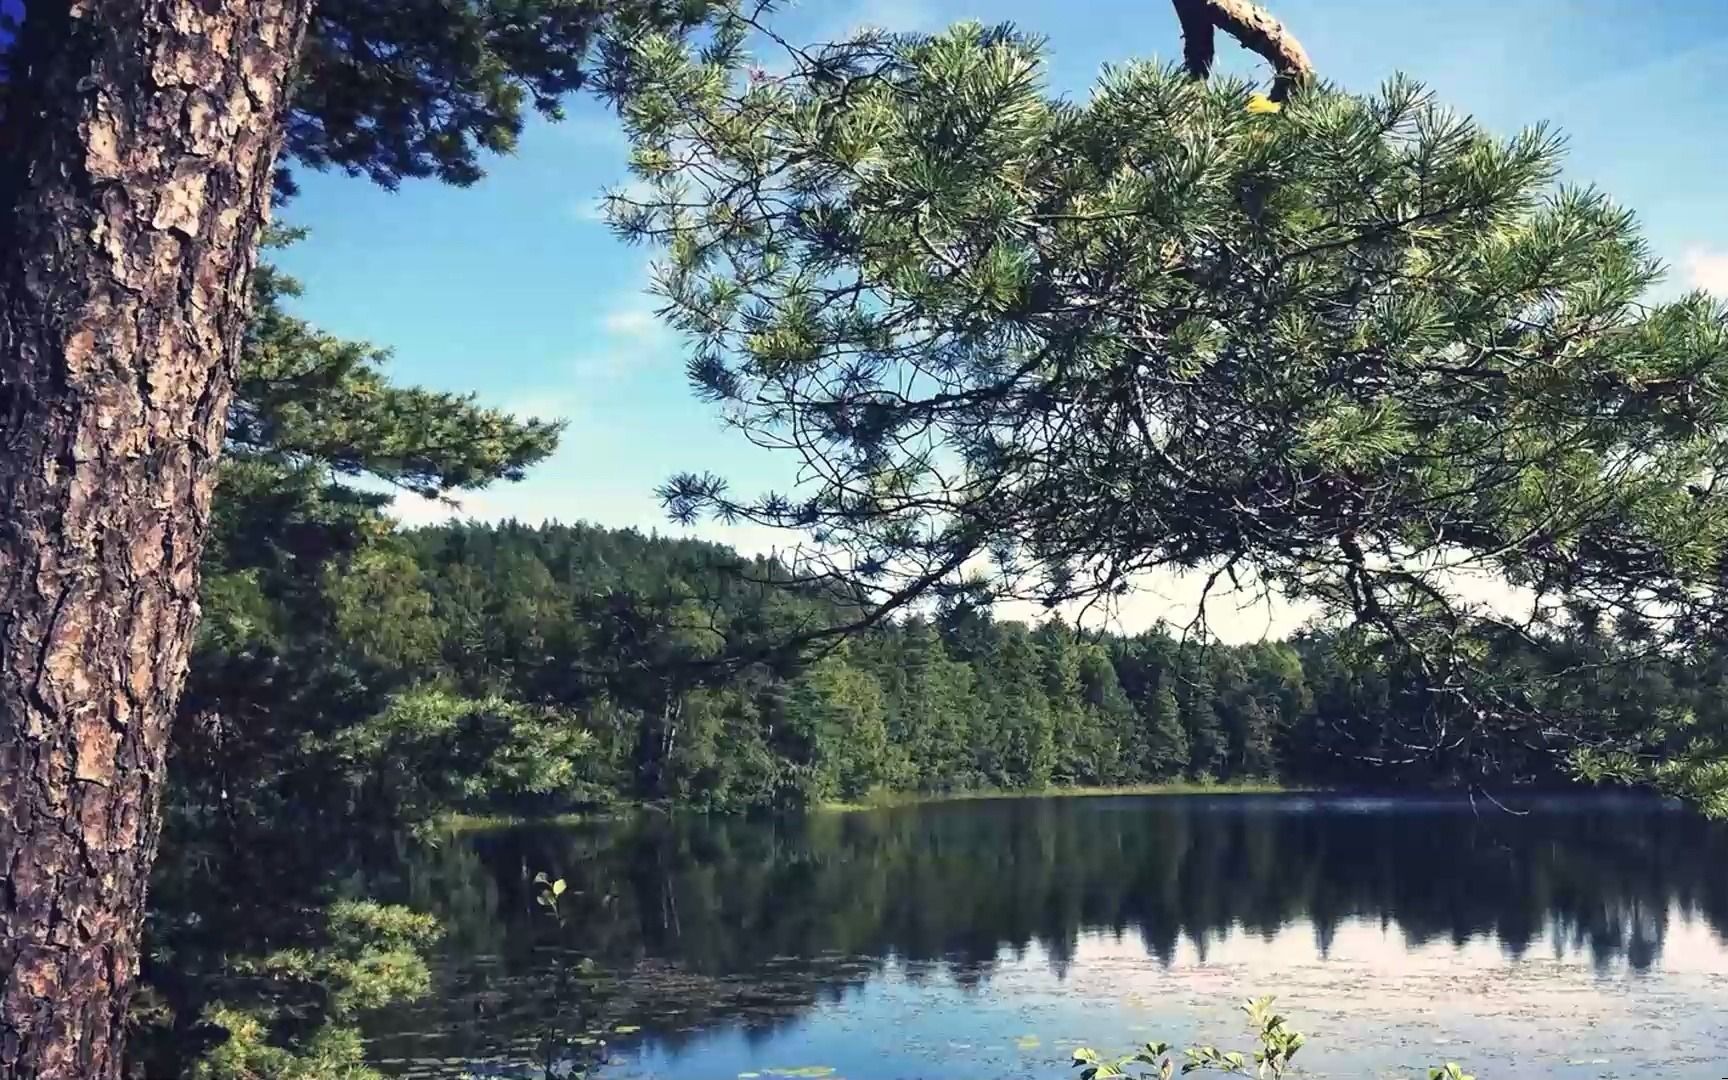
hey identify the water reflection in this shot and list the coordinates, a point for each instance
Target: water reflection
(697, 924)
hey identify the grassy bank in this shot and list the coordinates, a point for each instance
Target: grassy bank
(886, 799)
(462, 823)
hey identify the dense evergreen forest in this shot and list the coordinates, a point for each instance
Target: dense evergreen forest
(522, 669)
(348, 670)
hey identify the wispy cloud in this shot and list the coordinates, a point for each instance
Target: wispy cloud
(630, 331)
(630, 335)
(1707, 269)
(637, 320)
(412, 511)
(603, 365)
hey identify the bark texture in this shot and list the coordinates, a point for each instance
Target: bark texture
(1254, 27)
(140, 139)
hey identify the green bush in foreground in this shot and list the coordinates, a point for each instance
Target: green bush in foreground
(291, 1014)
(1278, 1045)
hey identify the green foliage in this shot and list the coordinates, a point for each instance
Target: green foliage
(312, 718)
(388, 677)
(619, 632)
(837, 712)
(370, 956)
(1276, 1046)
(559, 667)
(304, 395)
(1040, 346)
(551, 893)
(1199, 711)
(392, 90)
(314, 615)
(287, 1015)
(430, 751)
(331, 1053)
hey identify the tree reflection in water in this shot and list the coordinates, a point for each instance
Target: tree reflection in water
(691, 922)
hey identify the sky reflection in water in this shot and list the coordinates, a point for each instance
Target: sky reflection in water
(988, 939)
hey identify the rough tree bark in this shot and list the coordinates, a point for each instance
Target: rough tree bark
(1254, 27)
(140, 137)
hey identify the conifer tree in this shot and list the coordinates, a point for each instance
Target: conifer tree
(1167, 750)
(1196, 693)
(1111, 721)
(140, 145)
(1333, 345)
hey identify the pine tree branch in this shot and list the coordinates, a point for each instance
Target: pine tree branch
(1251, 25)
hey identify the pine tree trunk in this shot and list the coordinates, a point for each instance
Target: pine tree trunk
(135, 172)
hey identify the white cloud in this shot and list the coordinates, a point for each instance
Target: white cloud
(601, 365)
(632, 334)
(632, 317)
(636, 320)
(412, 511)
(1707, 269)
(587, 210)
(1235, 616)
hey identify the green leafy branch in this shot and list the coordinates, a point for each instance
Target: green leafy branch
(1278, 1045)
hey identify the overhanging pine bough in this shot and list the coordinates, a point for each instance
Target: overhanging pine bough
(1344, 350)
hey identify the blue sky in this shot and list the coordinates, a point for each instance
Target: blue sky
(514, 289)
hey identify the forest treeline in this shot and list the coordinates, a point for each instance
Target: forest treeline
(519, 669)
(349, 670)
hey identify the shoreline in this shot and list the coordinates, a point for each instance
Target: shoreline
(894, 799)
(462, 823)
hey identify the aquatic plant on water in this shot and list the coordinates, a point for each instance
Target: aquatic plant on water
(1278, 1044)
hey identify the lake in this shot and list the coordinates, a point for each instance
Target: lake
(1581, 937)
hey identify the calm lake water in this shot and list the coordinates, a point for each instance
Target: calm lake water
(1587, 938)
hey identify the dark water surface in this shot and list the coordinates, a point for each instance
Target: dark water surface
(1585, 939)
